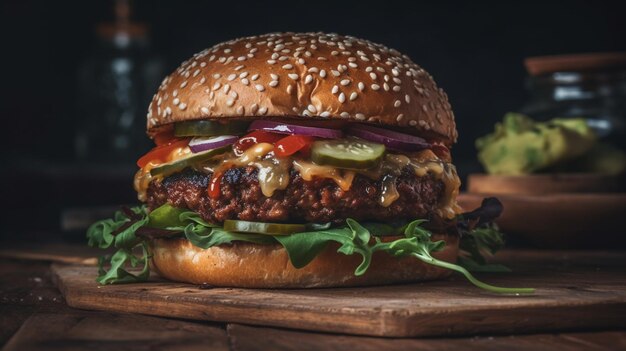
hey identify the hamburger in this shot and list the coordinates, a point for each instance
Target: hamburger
(293, 160)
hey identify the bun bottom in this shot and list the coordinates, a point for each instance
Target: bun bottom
(248, 265)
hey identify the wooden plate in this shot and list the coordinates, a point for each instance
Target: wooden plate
(540, 184)
(571, 220)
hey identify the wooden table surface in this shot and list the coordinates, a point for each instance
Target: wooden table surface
(34, 316)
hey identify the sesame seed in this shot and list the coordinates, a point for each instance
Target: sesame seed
(361, 86)
(271, 62)
(395, 72)
(345, 82)
(344, 114)
(312, 108)
(360, 116)
(407, 98)
(273, 83)
(168, 111)
(222, 59)
(369, 69)
(176, 101)
(196, 72)
(353, 65)
(263, 110)
(289, 89)
(288, 66)
(254, 108)
(245, 81)
(243, 74)
(342, 98)
(373, 75)
(380, 69)
(335, 73)
(301, 61)
(399, 118)
(233, 94)
(323, 73)
(396, 88)
(313, 70)
(183, 84)
(397, 80)
(259, 87)
(174, 93)
(375, 86)
(353, 96)
(386, 77)
(386, 86)
(227, 51)
(413, 122)
(231, 77)
(274, 76)
(203, 64)
(397, 103)
(308, 79)
(230, 102)
(283, 58)
(182, 106)
(226, 88)
(202, 80)
(293, 76)
(211, 95)
(217, 75)
(240, 110)
(334, 53)
(204, 110)
(216, 86)
(275, 56)
(254, 77)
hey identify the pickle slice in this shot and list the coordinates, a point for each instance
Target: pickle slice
(263, 228)
(209, 128)
(347, 153)
(178, 165)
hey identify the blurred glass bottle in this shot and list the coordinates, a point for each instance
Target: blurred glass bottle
(115, 85)
(592, 86)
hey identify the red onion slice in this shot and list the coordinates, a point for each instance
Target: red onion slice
(285, 128)
(199, 144)
(391, 139)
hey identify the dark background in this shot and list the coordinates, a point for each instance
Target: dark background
(474, 50)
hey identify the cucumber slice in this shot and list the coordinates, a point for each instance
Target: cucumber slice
(347, 153)
(263, 228)
(209, 128)
(178, 165)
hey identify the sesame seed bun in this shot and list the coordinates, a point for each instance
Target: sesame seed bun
(305, 76)
(248, 265)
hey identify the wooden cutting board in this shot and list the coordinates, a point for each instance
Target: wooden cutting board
(574, 290)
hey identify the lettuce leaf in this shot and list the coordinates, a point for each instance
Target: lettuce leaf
(353, 238)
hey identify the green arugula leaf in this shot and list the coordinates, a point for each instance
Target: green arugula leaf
(302, 248)
(205, 237)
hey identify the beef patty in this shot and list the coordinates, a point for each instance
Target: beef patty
(317, 201)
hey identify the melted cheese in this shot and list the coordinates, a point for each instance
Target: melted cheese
(309, 170)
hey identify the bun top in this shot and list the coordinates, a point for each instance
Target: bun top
(305, 76)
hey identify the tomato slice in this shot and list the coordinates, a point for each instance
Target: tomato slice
(258, 136)
(165, 137)
(290, 145)
(161, 152)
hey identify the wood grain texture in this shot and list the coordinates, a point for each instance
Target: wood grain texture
(562, 221)
(63, 253)
(81, 330)
(569, 296)
(247, 338)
